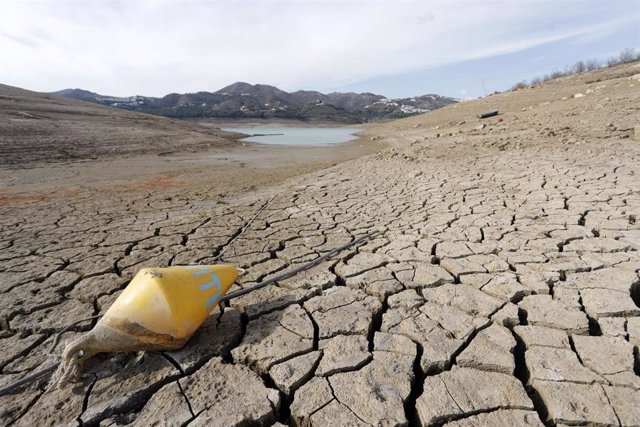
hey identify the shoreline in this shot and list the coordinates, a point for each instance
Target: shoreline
(225, 170)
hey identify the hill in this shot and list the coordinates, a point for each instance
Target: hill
(40, 127)
(244, 100)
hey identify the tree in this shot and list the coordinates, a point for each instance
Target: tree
(627, 55)
(579, 67)
(593, 64)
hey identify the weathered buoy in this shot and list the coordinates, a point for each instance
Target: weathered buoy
(158, 310)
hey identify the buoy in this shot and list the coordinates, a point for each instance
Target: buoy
(158, 310)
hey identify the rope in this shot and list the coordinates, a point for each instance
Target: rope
(29, 378)
(58, 367)
(245, 228)
(297, 270)
(66, 372)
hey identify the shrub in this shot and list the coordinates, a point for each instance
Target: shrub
(536, 81)
(579, 67)
(520, 85)
(628, 55)
(593, 64)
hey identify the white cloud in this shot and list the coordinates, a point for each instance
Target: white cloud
(156, 47)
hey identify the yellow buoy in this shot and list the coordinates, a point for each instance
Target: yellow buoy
(159, 310)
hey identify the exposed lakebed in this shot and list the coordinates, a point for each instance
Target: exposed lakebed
(297, 136)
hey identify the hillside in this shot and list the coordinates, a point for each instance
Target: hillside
(243, 100)
(39, 127)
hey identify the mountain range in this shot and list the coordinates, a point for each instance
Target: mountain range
(243, 100)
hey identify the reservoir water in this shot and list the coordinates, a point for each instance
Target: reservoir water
(297, 136)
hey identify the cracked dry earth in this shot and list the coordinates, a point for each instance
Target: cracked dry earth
(503, 289)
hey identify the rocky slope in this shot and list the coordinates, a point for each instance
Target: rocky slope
(38, 127)
(504, 288)
(243, 100)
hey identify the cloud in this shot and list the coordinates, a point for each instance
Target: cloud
(156, 47)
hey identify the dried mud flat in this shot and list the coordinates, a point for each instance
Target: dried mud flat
(504, 289)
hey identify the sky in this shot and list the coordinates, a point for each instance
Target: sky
(393, 48)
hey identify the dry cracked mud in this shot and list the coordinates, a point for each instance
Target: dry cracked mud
(503, 289)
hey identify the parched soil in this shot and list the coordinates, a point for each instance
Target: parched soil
(503, 288)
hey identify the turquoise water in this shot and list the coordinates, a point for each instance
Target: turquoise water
(297, 136)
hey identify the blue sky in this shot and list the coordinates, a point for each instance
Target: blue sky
(394, 48)
(464, 79)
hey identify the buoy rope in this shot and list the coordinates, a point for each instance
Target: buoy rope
(49, 368)
(245, 228)
(297, 270)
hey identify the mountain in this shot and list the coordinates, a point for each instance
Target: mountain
(244, 100)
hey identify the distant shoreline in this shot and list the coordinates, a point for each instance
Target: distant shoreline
(257, 123)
